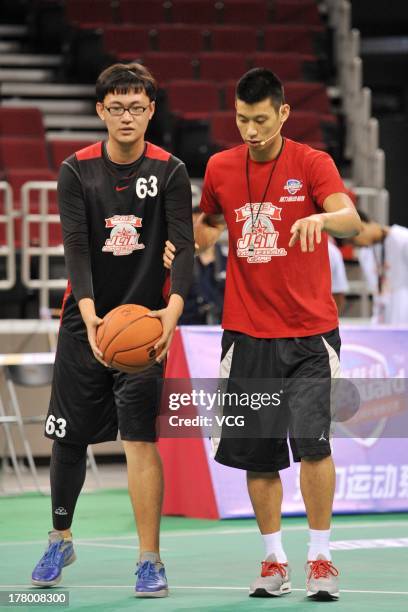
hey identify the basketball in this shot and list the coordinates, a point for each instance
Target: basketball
(127, 337)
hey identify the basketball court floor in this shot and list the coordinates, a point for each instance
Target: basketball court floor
(209, 563)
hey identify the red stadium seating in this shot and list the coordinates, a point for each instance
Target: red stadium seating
(234, 38)
(17, 178)
(90, 12)
(142, 11)
(166, 66)
(179, 37)
(289, 37)
(251, 12)
(307, 97)
(61, 149)
(196, 11)
(304, 127)
(296, 11)
(216, 66)
(193, 98)
(22, 153)
(24, 159)
(224, 130)
(127, 39)
(288, 66)
(24, 122)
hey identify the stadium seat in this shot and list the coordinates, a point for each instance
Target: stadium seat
(17, 178)
(166, 66)
(196, 11)
(224, 131)
(90, 13)
(234, 38)
(304, 127)
(127, 39)
(251, 12)
(24, 122)
(22, 153)
(61, 149)
(193, 98)
(24, 159)
(143, 11)
(217, 65)
(179, 37)
(289, 37)
(54, 231)
(307, 97)
(288, 66)
(296, 12)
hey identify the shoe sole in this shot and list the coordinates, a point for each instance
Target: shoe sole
(284, 589)
(57, 580)
(162, 593)
(323, 596)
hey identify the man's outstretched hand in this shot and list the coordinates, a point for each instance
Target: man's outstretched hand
(308, 231)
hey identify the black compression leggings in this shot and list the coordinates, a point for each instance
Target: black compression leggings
(67, 476)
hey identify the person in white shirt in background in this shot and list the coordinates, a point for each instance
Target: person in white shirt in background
(339, 280)
(384, 258)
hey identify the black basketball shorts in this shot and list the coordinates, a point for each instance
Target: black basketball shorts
(300, 367)
(90, 403)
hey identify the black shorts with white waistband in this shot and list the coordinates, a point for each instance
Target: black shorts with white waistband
(302, 369)
(90, 403)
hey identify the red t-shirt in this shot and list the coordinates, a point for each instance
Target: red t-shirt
(273, 291)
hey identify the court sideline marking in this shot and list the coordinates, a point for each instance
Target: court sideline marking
(216, 532)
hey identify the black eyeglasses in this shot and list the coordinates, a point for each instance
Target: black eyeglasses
(118, 111)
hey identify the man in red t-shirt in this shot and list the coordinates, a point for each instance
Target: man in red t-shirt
(279, 199)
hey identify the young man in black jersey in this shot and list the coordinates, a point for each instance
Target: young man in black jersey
(119, 201)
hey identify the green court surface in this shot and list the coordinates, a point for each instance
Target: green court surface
(209, 563)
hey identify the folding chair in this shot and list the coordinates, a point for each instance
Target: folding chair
(30, 375)
(9, 451)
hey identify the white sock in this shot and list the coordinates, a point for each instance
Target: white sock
(273, 544)
(319, 544)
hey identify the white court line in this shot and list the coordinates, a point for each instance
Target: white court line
(67, 587)
(216, 532)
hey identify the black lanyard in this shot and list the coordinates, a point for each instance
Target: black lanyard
(267, 184)
(380, 261)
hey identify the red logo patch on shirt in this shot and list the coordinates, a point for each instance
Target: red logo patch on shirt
(124, 238)
(259, 242)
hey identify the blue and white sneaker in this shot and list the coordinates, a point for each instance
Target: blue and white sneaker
(60, 553)
(151, 577)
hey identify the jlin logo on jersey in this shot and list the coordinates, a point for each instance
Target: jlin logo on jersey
(124, 238)
(259, 242)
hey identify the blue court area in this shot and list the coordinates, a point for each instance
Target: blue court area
(209, 563)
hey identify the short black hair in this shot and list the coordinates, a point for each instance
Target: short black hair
(125, 78)
(258, 84)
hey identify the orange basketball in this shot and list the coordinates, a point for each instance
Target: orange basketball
(127, 337)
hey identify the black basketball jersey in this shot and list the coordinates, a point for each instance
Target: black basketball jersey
(115, 221)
